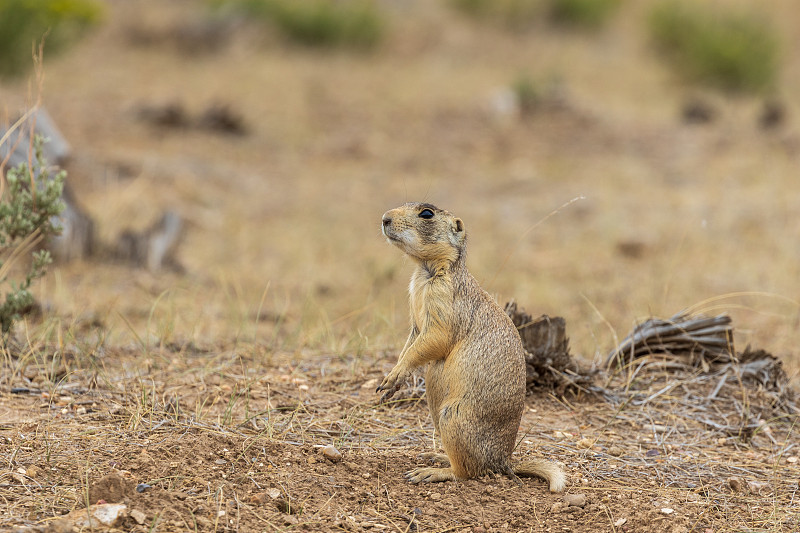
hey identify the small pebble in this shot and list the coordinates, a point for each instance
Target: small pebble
(370, 383)
(667, 510)
(332, 454)
(139, 516)
(585, 443)
(98, 517)
(258, 498)
(616, 451)
(141, 487)
(436, 496)
(735, 484)
(620, 522)
(791, 459)
(757, 487)
(575, 500)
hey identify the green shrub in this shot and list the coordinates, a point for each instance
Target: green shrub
(731, 50)
(23, 23)
(356, 23)
(583, 13)
(514, 14)
(527, 94)
(30, 203)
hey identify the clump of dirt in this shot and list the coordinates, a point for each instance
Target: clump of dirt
(111, 488)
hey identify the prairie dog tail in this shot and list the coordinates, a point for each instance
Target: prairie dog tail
(547, 470)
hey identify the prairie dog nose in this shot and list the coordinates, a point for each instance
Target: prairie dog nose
(386, 220)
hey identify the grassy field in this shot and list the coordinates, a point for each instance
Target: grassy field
(602, 206)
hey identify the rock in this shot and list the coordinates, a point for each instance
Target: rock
(736, 484)
(667, 510)
(139, 516)
(436, 496)
(616, 451)
(790, 460)
(141, 487)
(757, 487)
(557, 507)
(585, 443)
(331, 453)
(258, 498)
(370, 384)
(575, 500)
(620, 522)
(96, 516)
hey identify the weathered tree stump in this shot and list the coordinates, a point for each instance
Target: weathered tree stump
(548, 362)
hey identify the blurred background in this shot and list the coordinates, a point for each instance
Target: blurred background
(611, 160)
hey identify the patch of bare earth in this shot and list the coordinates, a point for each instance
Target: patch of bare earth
(219, 441)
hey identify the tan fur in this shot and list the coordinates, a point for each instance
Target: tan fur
(476, 370)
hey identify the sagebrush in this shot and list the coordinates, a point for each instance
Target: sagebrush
(736, 51)
(513, 14)
(29, 207)
(321, 23)
(24, 23)
(583, 13)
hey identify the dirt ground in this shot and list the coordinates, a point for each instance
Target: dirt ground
(215, 389)
(224, 442)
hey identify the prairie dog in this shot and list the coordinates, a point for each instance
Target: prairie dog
(476, 368)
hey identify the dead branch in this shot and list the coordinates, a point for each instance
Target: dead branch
(699, 339)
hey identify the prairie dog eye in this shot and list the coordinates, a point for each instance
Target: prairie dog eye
(426, 213)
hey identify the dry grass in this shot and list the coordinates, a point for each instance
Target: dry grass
(220, 430)
(287, 274)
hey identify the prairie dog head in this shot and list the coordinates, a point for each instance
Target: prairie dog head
(425, 232)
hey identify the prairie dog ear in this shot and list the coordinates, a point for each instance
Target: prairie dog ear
(459, 234)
